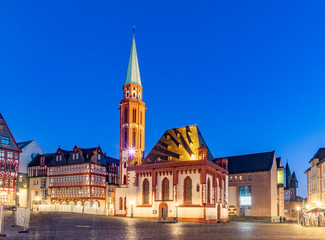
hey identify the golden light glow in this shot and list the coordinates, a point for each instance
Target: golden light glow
(177, 204)
(132, 203)
(307, 206)
(319, 204)
(37, 199)
(298, 208)
(192, 157)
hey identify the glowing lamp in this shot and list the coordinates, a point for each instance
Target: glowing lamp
(37, 199)
(132, 203)
(298, 208)
(177, 204)
(307, 206)
(131, 151)
(17, 193)
(318, 204)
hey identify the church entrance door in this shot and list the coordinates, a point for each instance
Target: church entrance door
(163, 210)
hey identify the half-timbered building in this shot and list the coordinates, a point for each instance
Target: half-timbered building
(78, 177)
(9, 164)
(178, 178)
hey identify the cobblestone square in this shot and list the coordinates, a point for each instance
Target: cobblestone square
(46, 225)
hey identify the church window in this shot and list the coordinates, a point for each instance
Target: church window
(188, 190)
(125, 115)
(134, 115)
(133, 138)
(165, 189)
(124, 179)
(141, 118)
(145, 191)
(198, 187)
(125, 164)
(125, 138)
(140, 140)
(208, 191)
(121, 203)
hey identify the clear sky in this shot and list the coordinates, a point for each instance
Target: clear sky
(249, 73)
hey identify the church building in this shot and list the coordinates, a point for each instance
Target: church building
(178, 178)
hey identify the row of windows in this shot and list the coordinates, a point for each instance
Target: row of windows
(7, 167)
(165, 190)
(96, 178)
(77, 178)
(313, 186)
(240, 178)
(134, 116)
(70, 168)
(6, 183)
(133, 144)
(77, 190)
(5, 140)
(10, 155)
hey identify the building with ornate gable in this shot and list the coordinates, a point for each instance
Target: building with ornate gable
(178, 178)
(9, 164)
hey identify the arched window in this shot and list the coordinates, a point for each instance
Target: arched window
(140, 140)
(134, 115)
(133, 138)
(208, 191)
(125, 164)
(125, 115)
(145, 191)
(125, 138)
(141, 118)
(121, 203)
(124, 179)
(165, 189)
(188, 190)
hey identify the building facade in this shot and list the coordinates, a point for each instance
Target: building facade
(256, 186)
(29, 149)
(38, 180)
(78, 177)
(177, 178)
(9, 165)
(316, 180)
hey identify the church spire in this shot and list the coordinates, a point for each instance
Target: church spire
(133, 72)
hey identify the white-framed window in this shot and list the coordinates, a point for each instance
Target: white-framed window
(10, 155)
(2, 153)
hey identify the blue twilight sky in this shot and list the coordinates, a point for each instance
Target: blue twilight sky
(249, 73)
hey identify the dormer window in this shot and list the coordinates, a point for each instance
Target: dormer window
(5, 140)
(98, 157)
(73, 156)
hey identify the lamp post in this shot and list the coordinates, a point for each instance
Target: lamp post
(177, 212)
(132, 209)
(298, 208)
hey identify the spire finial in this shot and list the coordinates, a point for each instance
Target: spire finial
(133, 31)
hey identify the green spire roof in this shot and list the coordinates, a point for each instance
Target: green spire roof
(133, 73)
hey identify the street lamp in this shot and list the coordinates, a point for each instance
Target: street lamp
(318, 204)
(131, 208)
(298, 208)
(177, 211)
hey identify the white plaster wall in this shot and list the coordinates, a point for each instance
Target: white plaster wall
(25, 155)
(232, 196)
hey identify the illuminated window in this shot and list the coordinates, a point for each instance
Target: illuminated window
(187, 190)
(1, 127)
(10, 155)
(141, 118)
(2, 153)
(146, 191)
(165, 189)
(240, 178)
(230, 179)
(235, 178)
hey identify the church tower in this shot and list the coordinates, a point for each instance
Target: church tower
(132, 115)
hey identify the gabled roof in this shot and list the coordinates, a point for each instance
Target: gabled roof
(5, 132)
(110, 160)
(133, 72)
(256, 162)
(319, 154)
(36, 160)
(21, 145)
(86, 153)
(178, 144)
